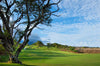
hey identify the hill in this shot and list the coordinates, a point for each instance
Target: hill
(38, 43)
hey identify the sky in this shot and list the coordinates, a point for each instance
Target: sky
(78, 24)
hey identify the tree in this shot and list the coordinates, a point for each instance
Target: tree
(16, 13)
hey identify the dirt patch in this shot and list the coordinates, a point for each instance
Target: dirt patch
(69, 51)
(88, 50)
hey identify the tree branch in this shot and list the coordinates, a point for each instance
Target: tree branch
(1, 33)
(6, 25)
(9, 6)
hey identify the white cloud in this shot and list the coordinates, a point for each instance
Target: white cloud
(87, 34)
(89, 9)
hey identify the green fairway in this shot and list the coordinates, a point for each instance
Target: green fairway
(56, 58)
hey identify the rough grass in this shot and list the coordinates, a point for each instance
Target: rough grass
(48, 57)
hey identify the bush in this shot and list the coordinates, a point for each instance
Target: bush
(75, 50)
(4, 58)
(71, 48)
(56, 45)
(2, 48)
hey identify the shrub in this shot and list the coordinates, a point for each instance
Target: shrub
(71, 48)
(2, 48)
(75, 50)
(56, 45)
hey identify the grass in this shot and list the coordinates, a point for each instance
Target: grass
(48, 57)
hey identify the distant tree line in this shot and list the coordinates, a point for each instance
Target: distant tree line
(56, 45)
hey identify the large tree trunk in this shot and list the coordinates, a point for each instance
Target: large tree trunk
(14, 59)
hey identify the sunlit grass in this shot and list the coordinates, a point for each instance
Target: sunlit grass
(49, 57)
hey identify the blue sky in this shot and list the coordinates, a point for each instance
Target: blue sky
(78, 24)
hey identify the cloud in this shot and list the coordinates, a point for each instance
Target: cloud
(34, 38)
(89, 9)
(81, 31)
(82, 34)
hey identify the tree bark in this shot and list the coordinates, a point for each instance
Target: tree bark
(14, 59)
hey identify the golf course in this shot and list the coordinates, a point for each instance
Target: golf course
(49, 32)
(52, 57)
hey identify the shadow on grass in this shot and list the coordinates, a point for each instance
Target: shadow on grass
(31, 54)
(6, 64)
(38, 54)
(27, 65)
(42, 54)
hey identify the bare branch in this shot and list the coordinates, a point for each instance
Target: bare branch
(15, 34)
(26, 30)
(56, 15)
(40, 28)
(4, 21)
(1, 33)
(32, 28)
(9, 6)
(6, 3)
(19, 24)
(56, 5)
(18, 19)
